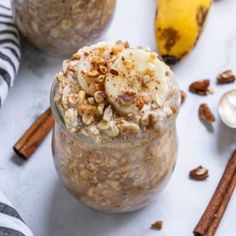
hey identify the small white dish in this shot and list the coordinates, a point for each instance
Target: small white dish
(227, 108)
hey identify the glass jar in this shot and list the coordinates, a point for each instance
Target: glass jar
(114, 176)
(61, 27)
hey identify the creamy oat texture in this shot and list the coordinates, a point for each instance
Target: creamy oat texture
(59, 26)
(110, 90)
(118, 146)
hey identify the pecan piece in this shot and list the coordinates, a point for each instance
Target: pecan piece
(102, 69)
(126, 99)
(123, 43)
(75, 57)
(114, 72)
(100, 96)
(199, 173)
(183, 96)
(88, 109)
(226, 77)
(205, 113)
(97, 87)
(98, 61)
(157, 225)
(200, 87)
(140, 100)
(92, 73)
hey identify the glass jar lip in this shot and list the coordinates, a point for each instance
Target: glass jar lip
(60, 121)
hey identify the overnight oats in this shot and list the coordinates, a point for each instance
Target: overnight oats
(59, 27)
(114, 140)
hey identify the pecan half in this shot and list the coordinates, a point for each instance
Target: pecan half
(157, 225)
(200, 87)
(226, 77)
(183, 96)
(205, 113)
(199, 173)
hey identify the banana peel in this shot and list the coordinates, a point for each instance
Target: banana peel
(178, 26)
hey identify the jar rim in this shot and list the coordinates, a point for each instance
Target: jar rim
(82, 137)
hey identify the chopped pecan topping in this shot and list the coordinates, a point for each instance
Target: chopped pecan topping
(200, 87)
(102, 69)
(157, 225)
(91, 101)
(97, 87)
(140, 100)
(183, 96)
(108, 113)
(126, 44)
(226, 77)
(199, 173)
(167, 73)
(75, 57)
(205, 113)
(93, 73)
(115, 51)
(81, 98)
(87, 119)
(100, 96)
(101, 107)
(126, 99)
(129, 129)
(86, 54)
(123, 43)
(100, 79)
(98, 61)
(114, 72)
(88, 109)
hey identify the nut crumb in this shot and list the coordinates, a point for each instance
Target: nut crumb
(126, 99)
(199, 173)
(200, 87)
(157, 225)
(114, 72)
(93, 73)
(226, 77)
(206, 114)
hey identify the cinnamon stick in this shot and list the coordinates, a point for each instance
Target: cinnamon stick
(35, 134)
(211, 218)
(217, 218)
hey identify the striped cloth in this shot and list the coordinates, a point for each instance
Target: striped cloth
(9, 50)
(11, 223)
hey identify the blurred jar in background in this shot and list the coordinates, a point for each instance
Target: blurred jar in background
(61, 27)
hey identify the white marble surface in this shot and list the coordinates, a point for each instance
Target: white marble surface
(33, 186)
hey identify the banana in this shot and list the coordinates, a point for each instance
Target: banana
(178, 25)
(88, 75)
(140, 78)
(134, 77)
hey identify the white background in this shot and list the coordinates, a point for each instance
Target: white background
(33, 186)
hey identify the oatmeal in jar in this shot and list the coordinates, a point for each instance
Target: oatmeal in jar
(114, 140)
(60, 27)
